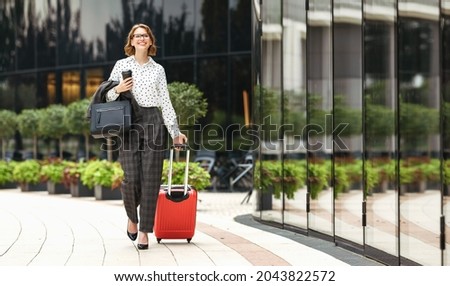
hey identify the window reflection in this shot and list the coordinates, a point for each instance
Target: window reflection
(69, 40)
(178, 27)
(419, 100)
(51, 88)
(93, 79)
(294, 117)
(320, 98)
(380, 104)
(70, 87)
(347, 111)
(7, 52)
(240, 27)
(212, 26)
(46, 27)
(25, 33)
(6, 94)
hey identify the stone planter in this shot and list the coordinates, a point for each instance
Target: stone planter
(9, 185)
(105, 193)
(264, 200)
(80, 190)
(27, 187)
(416, 187)
(57, 188)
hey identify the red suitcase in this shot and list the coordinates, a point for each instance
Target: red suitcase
(176, 208)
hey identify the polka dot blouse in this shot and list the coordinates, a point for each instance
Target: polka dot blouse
(149, 88)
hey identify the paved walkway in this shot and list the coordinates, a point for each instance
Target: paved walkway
(59, 230)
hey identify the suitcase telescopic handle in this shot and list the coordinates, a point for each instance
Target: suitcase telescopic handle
(186, 169)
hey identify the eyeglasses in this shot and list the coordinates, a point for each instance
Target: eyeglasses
(140, 36)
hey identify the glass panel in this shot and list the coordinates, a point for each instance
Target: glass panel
(347, 127)
(239, 106)
(46, 33)
(26, 92)
(7, 20)
(180, 70)
(445, 109)
(379, 118)
(257, 104)
(70, 86)
(212, 76)
(69, 40)
(212, 26)
(271, 203)
(50, 88)
(25, 34)
(93, 79)
(7, 98)
(294, 101)
(320, 99)
(420, 196)
(240, 26)
(93, 29)
(178, 27)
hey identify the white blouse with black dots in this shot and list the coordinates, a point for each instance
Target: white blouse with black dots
(149, 88)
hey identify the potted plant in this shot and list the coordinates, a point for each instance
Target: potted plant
(188, 101)
(71, 179)
(277, 178)
(371, 178)
(446, 177)
(198, 177)
(341, 180)
(318, 178)
(76, 122)
(105, 177)
(28, 175)
(53, 172)
(7, 128)
(190, 105)
(52, 125)
(28, 126)
(6, 175)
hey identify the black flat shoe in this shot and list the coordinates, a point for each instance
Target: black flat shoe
(132, 236)
(142, 246)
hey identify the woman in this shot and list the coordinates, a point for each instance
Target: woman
(142, 152)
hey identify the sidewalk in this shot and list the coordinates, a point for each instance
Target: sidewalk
(60, 230)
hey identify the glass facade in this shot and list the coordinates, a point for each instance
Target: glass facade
(351, 107)
(58, 51)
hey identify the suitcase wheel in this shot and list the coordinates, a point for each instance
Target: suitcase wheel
(158, 240)
(189, 240)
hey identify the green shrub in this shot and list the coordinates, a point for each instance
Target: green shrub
(198, 177)
(6, 172)
(54, 170)
(318, 176)
(277, 176)
(28, 171)
(102, 173)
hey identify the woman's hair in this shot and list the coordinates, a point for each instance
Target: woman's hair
(130, 50)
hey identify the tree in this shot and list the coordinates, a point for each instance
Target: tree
(188, 102)
(28, 125)
(7, 128)
(52, 124)
(76, 121)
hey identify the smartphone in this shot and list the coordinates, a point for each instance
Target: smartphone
(126, 74)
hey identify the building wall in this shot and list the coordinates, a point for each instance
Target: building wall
(355, 148)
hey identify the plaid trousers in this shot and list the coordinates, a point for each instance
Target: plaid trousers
(141, 156)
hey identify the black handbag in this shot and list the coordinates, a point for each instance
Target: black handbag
(110, 119)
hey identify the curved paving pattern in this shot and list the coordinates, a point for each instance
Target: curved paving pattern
(38, 229)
